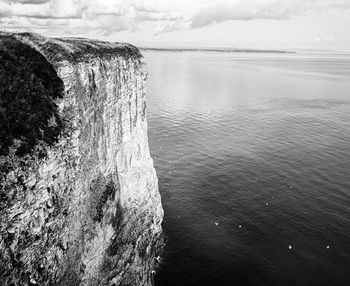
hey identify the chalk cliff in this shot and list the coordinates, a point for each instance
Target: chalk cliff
(79, 200)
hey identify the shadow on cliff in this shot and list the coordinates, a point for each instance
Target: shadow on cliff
(28, 90)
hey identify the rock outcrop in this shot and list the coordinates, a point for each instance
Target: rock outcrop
(79, 200)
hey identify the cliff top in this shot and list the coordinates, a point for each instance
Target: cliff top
(30, 84)
(70, 49)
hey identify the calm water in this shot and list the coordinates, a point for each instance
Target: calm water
(253, 156)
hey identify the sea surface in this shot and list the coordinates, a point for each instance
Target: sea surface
(252, 153)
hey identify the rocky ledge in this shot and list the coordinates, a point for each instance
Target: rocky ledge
(79, 199)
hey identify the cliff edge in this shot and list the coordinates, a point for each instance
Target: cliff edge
(79, 199)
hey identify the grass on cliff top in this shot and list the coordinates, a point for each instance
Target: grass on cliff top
(28, 90)
(76, 49)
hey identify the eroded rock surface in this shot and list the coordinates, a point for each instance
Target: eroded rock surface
(79, 200)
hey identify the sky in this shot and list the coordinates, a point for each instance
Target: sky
(253, 24)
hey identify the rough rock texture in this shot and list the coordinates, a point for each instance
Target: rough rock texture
(79, 200)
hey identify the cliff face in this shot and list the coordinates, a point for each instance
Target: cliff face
(79, 200)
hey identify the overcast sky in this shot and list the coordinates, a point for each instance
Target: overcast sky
(311, 24)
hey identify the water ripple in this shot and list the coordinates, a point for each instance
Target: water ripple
(252, 161)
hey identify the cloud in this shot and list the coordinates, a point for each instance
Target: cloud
(203, 13)
(42, 9)
(107, 16)
(28, 1)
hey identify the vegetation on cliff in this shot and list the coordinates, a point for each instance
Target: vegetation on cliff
(28, 90)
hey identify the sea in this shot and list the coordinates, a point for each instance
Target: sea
(252, 152)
